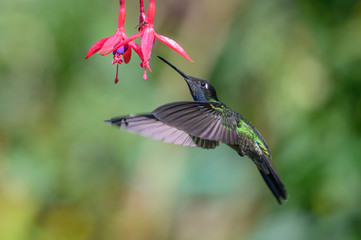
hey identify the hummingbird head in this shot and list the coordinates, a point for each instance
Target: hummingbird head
(201, 90)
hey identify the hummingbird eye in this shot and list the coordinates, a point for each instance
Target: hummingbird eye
(204, 84)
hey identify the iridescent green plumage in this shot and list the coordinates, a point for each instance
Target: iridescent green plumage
(205, 122)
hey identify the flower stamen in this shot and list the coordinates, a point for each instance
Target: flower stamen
(116, 75)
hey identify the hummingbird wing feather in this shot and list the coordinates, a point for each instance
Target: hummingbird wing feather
(207, 120)
(149, 126)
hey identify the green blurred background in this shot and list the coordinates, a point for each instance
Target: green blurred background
(293, 68)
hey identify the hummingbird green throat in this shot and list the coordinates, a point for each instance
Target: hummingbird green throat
(204, 123)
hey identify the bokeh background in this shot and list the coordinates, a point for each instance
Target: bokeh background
(293, 68)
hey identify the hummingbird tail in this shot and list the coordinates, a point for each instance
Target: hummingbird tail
(273, 181)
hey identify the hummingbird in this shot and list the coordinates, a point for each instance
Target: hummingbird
(204, 123)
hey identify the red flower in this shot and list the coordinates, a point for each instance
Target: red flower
(148, 36)
(120, 45)
(110, 44)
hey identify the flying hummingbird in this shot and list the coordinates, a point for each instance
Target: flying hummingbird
(204, 123)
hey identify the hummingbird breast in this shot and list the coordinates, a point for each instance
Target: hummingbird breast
(248, 146)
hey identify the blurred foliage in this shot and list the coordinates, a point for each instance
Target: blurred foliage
(291, 67)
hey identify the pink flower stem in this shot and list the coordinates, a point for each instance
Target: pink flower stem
(142, 16)
(151, 11)
(122, 14)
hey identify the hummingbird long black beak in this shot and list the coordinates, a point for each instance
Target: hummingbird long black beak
(186, 77)
(200, 89)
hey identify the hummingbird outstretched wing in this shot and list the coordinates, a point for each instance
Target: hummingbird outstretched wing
(148, 125)
(207, 120)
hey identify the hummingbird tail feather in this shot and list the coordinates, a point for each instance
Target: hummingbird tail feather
(273, 181)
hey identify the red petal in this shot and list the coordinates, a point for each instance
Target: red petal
(146, 44)
(105, 51)
(109, 45)
(128, 40)
(127, 55)
(137, 49)
(98, 45)
(173, 45)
